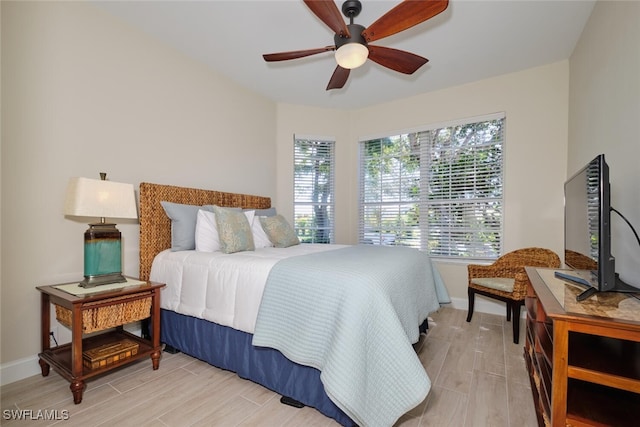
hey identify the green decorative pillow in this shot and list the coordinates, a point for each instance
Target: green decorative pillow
(234, 230)
(279, 231)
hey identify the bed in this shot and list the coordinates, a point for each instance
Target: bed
(264, 346)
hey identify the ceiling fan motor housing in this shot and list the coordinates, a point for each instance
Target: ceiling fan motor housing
(356, 36)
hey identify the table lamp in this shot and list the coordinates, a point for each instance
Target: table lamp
(102, 241)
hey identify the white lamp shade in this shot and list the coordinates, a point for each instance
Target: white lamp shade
(352, 55)
(98, 198)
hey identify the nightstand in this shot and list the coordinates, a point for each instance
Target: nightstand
(95, 310)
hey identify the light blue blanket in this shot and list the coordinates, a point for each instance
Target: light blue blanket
(353, 314)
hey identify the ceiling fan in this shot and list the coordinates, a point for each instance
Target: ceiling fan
(352, 41)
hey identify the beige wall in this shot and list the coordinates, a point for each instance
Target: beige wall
(83, 93)
(536, 105)
(295, 119)
(605, 113)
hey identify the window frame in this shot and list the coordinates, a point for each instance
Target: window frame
(314, 233)
(464, 243)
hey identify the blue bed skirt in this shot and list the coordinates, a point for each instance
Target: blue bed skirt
(230, 349)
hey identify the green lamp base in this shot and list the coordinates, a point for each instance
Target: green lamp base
(102, 256)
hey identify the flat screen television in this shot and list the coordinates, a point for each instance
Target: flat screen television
(587, 231)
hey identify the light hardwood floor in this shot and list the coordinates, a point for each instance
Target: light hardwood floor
(478, 379)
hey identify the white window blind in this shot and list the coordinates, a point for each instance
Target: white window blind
(439, 189)
(313, 184)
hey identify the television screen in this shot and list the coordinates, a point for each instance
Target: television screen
(587, 230)
(583, 205)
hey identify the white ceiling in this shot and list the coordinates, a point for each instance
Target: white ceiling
(471, 40)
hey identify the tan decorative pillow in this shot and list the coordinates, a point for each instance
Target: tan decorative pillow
(279, 231)
(234, 230)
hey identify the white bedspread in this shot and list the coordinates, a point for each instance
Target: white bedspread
(222, 288)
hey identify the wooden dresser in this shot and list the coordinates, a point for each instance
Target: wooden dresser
(583, 357)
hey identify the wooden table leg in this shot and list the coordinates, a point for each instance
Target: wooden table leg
(155, 329)
(44, 367)
(76, 341)
(77, 387)
(45, 325)
(155, 359)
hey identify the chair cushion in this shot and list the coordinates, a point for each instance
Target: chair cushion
(498, 283)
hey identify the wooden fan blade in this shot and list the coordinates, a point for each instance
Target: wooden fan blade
(397, 60)
(328, 13)
(339, 78)
(294, 54)
(403, 16)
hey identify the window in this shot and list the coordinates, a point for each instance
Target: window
(313, 183)
(439, 189)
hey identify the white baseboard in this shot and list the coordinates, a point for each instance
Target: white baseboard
(19, 369)
(27, 367)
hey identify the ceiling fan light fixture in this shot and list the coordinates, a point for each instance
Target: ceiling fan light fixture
(351, 40)
(351, 55)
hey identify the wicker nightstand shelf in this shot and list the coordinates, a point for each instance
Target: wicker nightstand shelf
(96, 311)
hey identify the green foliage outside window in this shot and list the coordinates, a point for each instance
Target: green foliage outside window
(439, 190)
(313, 190)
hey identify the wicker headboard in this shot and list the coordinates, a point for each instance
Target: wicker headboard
(155, 226)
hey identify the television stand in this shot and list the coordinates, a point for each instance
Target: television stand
(582, 358)
(620, 285)
(586, 294)
(577, 280)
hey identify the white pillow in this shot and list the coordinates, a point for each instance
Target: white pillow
(207, 237)
(260, 238)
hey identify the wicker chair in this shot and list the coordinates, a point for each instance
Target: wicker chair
(506, 280)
